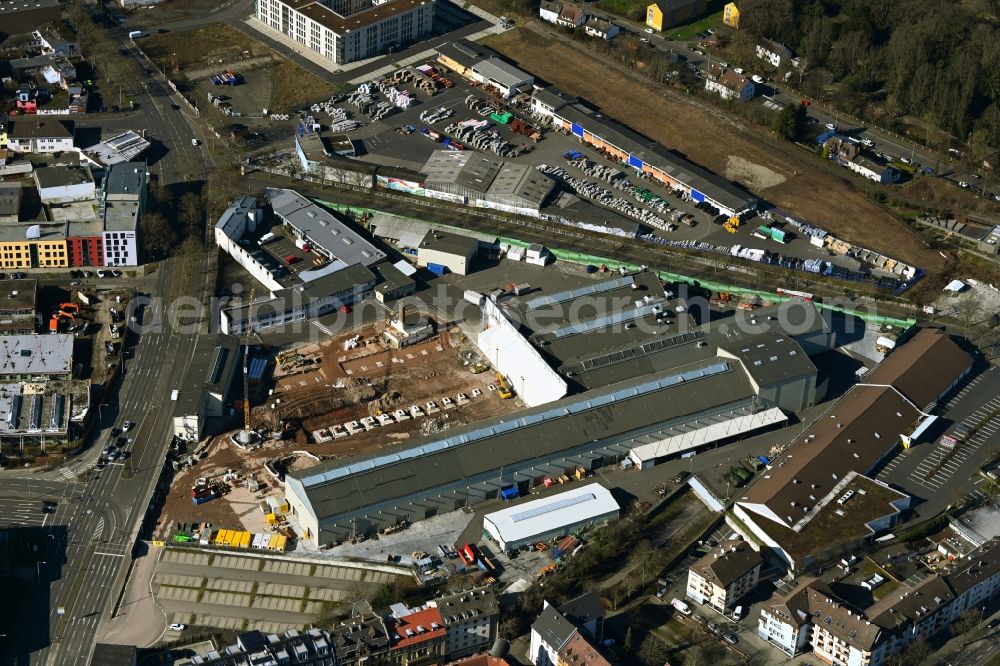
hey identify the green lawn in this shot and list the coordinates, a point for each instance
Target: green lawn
(686, 32)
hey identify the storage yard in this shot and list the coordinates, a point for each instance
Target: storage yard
(824, 200)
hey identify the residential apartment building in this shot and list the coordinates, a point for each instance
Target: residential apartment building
(601, 28)
(470, 619)
(40, 134)
(809, 616)
(724, 575)
(665, 14)
(554, 631)
(17, 307)
(578, 651)
(418, 637)
(348, 30)
(37, 246)
(360, 640)
(52, 41)
(565, 14)
(728, 84)
(773, 53)
(123, 200)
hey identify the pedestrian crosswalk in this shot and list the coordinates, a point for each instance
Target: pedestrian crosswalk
(67, 473)
(98, 531)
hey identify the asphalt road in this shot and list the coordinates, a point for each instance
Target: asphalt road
(96, 519)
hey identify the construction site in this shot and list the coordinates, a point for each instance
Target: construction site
(375, 387)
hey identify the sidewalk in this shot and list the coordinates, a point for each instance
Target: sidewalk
(140, 621)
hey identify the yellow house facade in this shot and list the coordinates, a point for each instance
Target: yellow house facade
(34, 254)
(664, 14)
(731, 15)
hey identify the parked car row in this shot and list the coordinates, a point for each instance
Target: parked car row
(101, 273)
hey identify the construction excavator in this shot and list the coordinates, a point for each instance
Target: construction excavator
(732, 224)
(503, 388)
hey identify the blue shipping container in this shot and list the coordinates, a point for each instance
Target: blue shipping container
(437, 269)
(634, 161)
(697, 196)
(509, 493)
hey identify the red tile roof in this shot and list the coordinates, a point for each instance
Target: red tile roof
(421, 624)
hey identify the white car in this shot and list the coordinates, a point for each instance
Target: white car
(757, 78)
(738, 70)
(126, 426)
(176, 626)
(831, 127)
(680, 606)
(195, 142)
(868, 142)
(963, 184)
(649, 31)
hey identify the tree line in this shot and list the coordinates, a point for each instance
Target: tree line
(932, 60)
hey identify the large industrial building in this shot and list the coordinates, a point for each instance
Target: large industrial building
(551, 517)
(345, 31)
(791, 509)
(595, 388)
(209, 386)
(475, 179)
(641, 153)
(342, 261)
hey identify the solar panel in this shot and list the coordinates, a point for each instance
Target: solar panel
(554, 506)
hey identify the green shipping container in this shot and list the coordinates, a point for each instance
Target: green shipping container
(778, 235)
(502, 118)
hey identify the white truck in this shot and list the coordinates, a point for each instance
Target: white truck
(135, 34)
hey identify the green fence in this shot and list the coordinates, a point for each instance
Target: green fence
(666, 276)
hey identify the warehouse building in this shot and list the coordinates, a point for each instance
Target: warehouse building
(595, 388)
(64, 184)
(35, 357)
(342, 258)
(346, 31)
(503, 76)
(461, 54)
(395, 281)
(643, 154)
(475, 179)
(551, 517)
(830, 459)
(22, 16)
(451, 251)
(209, 385)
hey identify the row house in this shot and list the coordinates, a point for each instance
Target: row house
(728, 84)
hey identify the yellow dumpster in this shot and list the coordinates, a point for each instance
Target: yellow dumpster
(220, 538)
(245, 539)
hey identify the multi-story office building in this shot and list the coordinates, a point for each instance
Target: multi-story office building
(348, 30)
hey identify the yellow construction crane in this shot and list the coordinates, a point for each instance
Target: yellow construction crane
(246, 365)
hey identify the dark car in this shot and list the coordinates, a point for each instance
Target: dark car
(162, 31)
(732, 639)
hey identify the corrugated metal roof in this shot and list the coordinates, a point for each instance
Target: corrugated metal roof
(528, 520)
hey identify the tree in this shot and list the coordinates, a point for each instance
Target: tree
(652, 651)
(191, 214)
(785, 124)
(965, 623)
(628, 640)
(156, 232)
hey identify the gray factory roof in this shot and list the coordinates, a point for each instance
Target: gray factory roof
(466, 451)
(121, 215)
(303, 293)
(466, 53)
(770, 358)
(445, 241)
(471, 170)
(125, 178)
(232, 218)
(17, 295)
(10, 199)
(62, 176)
(211, 365)
(401, 230)
(123, 147)
(392, 277)
(520, 182)
(36, 354)
(554, 98)
(712, 185)
(321, 228)
(495, 69)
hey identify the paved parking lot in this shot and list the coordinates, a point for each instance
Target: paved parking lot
(919, 472)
